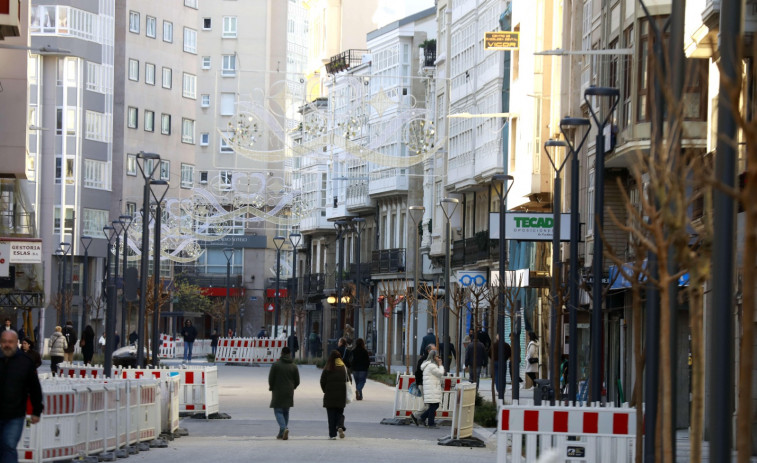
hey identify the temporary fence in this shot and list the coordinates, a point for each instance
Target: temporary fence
(461, 430)
(576, 433)
(85, 417)
(405, 403)
(249, 350)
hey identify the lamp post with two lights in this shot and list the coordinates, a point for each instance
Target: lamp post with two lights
(507, 183)
(158, 197)
(278, 241)
(295, 239)
(449, 205)
(416, 213)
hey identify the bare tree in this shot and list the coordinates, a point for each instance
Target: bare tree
(430, 292)
(394, 292)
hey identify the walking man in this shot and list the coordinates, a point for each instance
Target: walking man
(283, 379)
(189, 333)
(70, 333)
(18, 383)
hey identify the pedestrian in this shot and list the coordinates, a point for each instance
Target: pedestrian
(87, 344)
(349, 333)
(57, 349)
(293, 343)
(341, 346)
(283, 379)
(360, 363)
(101, 342)
(133, 338)
(334, 386)
(7, 325)
(116, 341)
(314, 342)
(283, 336)
(70, 333)
(483, 336)
(262, 333)
(532, 357)
(419, 381)
(214, 342)
(189, 333)
(430, 338)
(494, 354)
(19, 384)
(475, 359)
(452, 353)
(230, 333)
(27, 345)
(433, 370)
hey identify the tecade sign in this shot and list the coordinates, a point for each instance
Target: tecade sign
(530, 226)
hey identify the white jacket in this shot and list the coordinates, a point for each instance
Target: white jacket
(58, 344)
(532, 351)
(432, 382)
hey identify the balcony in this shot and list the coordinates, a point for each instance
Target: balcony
(345, 60)
(365, 271)
(470, 251)
(358, 198)
(313, 283)
(315, 221)
(388, 261)
(429, 56)
(392, 181)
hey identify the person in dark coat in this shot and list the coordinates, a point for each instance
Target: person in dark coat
(360, 363)
(475, 359)
(293, 343)
(133, 338)
(452, 352)
(18, 384)
(283, 379)
(430, 338)
(189, 333)
(70, 333)
(87, 344)
(341, 346)
(214, 342)
(494, 354)
(27, 346)
(334, 386)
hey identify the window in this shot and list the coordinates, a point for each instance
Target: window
(190, 40)
(65, 120)
(68, 223)
(229, 65)
(225, 147)
(151, 26)
(187, 131)
(131, 209)
(227, 104)
(626, 115)
(149, 121)
(131, 164)
(133, 69)
(191, 3)
(187, 175)
(165, 124)
(205, 100)
(167, 77)
(225, 176)
(96, 174)
(149, 73)
(93, 221)
(167, 31)
(97, 126)
(132, 120)
(229, 27)
(189, 86)
(165, 170)
(204, 139)
(206, 23)
(204, 177)
(134, 22)
(206, 62)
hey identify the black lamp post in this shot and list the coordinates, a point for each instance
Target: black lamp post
(416, 213)
(65, 248)
(278, 241)
(507, 184)
(148, 163)
(613, 96)
(565, 124)
(341, 227)
(449, 205)
(295, 239)
(85, 242)
(155, 185)
(118, 227)
(229, 253)
(126, 220)
(110, 309)
(358, 224)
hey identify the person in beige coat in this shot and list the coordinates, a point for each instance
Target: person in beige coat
(433, 370)
(58, 346)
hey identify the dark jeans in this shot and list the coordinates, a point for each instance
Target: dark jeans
(54, 361)
(336, 420)
(188, 351)
(430, 413)
(10, 434)
(360, 377)
(282, 417)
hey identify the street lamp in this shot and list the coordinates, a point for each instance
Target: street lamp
(557, 165)
(341, 227)
(64, 250)
(155, 185)
(507, 184)
(358, 224)
(126, 220)
(449, 205)
(613, 96)
(229, 253)
(565, 124)
(110, 309)
(85, 242)
(278, 241)
(295, 239)
(416, 213)
(148, 163)
(117, 226)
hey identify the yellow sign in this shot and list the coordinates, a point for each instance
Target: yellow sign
(505, 40)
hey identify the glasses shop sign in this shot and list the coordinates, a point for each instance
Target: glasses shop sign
(531, 226)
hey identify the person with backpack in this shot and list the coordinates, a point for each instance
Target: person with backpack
(419, 381)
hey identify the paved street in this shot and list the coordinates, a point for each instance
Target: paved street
(251, 431)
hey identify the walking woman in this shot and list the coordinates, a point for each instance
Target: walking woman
(334, 386)
(27, 345)
(360, 363)
(532, 357)
(433, 370)
(58, 345)
(87, 343)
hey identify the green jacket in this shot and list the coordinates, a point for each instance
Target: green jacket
(283, 379)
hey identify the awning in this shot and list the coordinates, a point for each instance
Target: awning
(618, 281)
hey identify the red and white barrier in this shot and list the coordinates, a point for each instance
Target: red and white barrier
(249, 350)
(169, 403)
(167, 349)
(405, 403)
(597, 434)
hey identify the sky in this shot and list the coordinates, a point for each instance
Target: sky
(392, 10)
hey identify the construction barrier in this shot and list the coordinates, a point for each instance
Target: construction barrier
(249, 350)
(406, 403)
(461, 431)
(587, 434)
(167, 349)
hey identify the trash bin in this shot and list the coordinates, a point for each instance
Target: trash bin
(331, 345)
(543, 391)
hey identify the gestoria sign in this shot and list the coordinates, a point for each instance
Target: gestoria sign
(24, 252)
(535, 226)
